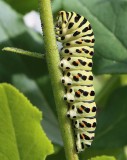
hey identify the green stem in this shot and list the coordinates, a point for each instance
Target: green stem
(53, 61)
(23, 52)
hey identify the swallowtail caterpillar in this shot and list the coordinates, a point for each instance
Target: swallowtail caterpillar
(77, 38)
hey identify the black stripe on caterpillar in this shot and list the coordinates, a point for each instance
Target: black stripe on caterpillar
(76, 35)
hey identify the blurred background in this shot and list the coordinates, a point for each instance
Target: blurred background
(20, 27)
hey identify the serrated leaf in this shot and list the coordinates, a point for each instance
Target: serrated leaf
(30, 88)
(103, 158)
(21, 135)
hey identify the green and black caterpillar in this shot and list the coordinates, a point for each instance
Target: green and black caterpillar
(76, 35)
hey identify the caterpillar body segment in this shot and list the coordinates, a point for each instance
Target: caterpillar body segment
(74, 63)
(81, 110)
(79, 93)
(84, 41)
(77, 38)
(77, 77)
(88, 124)
(79, 51)
(83, 140)
(75, 35)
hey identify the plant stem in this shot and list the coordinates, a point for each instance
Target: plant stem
(23, 52)
(53, 61)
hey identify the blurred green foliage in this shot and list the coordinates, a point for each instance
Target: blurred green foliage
(109, 21)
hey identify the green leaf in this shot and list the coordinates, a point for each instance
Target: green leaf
(44, 84)
(26, 6)
(56, 5)
(103, 65)
(118, 153)
(60, 155)
(111, 130)
(104, 88)
(108, 19)
(103, 158)
(13, 32)
(30, 88)
(23, 6)
(21, 135)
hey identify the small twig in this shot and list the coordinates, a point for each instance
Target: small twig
(23, 52)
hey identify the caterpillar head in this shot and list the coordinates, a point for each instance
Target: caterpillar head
(61, 20)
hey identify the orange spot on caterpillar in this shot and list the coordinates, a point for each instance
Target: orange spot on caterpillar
(78, 92)
(81, 109)
(77, 62)
(77, 76)
(82, 136)
(83, 124)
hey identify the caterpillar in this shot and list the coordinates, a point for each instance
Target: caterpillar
(77, 38)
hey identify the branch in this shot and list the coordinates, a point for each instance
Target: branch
(53, 61)
(23, 52)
